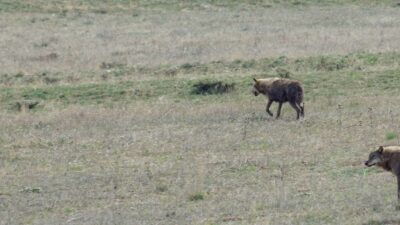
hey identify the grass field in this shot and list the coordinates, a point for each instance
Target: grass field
(101, 121)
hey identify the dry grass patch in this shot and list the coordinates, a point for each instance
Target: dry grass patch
(98, 124)
(146, 162)
(69, 42)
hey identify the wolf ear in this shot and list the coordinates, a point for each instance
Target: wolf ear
(255, 80)
(380, 149)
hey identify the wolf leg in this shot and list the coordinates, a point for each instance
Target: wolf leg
(298, 110)
(398, 192)
(268, 106)
(301, 109)
(398, 188)
(278, 113)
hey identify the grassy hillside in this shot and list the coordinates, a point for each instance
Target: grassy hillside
(107, 118)
(323, 77)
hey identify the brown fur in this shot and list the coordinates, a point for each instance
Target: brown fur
(280, 90)
(388, 158)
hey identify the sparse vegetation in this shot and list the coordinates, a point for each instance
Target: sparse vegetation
(31, 190)
(216, 87)
(143, 114)
(25, 105)
(390, 135)
(106, 6)
(196, 197)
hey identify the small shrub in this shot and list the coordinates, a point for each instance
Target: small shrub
(142, 93)
(41, 45)
(194, 67)
(391, 135)
(212, 88)
(283, 73)
(100, 11)
(69, 210)
(36, 93)
(106, 65)
(170, 214)
(19, 75)
(196, 196)
(237, 61)
(50, 80)
(298, 3)
(29, 80)
(5, 79)
(24, 105)
(281, 61)
(187, 66)
(170, 72)
(369, 59)
(31, 190)
(331, 64)
(248, 64)
(49, 57)
(161, 188)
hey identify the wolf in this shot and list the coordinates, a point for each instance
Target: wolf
(280, 90)
(388, 158)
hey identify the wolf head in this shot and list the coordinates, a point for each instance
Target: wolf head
(255, 90)
(375, 157)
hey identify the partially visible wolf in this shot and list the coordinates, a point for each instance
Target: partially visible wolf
(280, 90)
(388, 158)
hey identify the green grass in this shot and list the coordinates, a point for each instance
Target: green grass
(353, 171)
(337, 76)
(391, 136)
(196, 197)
